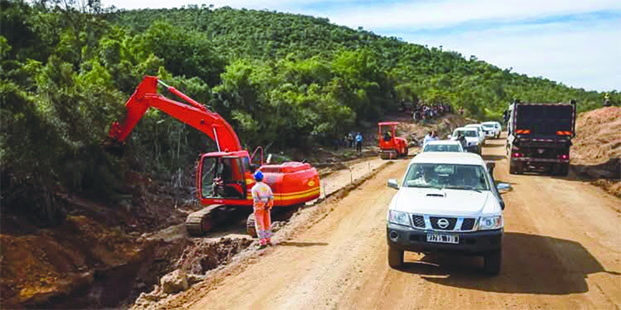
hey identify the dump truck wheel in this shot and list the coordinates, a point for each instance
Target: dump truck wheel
(561, 169)
(519, 168)
(516, 168)
(564, 171)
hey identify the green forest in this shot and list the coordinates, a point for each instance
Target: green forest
(281, 80)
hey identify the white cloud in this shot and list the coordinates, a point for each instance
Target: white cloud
(437, 14)
(578, 56)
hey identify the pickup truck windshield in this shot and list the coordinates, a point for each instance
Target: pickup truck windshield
(489, 125)
(442, 148)
(466, 133)
(448, 176)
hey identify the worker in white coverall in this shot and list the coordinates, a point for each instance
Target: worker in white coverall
(263, 200)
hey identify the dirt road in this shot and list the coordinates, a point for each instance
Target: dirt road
(562, 249)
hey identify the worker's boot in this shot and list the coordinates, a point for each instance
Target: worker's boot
(262, 243)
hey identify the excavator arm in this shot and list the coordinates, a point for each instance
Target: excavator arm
(192, 113)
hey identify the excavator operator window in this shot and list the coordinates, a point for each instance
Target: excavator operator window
(223, 178)
(210, 167)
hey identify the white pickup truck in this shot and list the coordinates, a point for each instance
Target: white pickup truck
(472, 140)
(492, 129)
(447, 202)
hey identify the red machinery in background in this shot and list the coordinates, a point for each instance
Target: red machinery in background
(224, 177)
(390, 145)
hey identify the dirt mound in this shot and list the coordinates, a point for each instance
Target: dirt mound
(36, 267)
(596, 150)
(205, 255)
(197, 258)
(598, 136)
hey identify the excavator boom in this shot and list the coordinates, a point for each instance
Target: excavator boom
(193, 114)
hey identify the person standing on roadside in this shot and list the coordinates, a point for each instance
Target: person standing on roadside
(263, 200)
(358, 143)
(462, 140)
(607, 100)
(428, 138)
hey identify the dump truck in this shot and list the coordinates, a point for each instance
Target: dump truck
(539, 136)
(223, 177)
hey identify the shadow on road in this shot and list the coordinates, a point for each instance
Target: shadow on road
(493, 157)
(610, 169)
(495, 145)
(532, 264)
(505, 181)
(302, 244)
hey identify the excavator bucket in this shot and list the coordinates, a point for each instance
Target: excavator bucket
(113, 147)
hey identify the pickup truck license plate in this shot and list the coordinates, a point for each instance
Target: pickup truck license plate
(438, 238)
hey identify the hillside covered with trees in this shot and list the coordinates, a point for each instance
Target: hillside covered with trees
(281, 80)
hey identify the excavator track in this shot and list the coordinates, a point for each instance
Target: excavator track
(205, 220)
(200, 222)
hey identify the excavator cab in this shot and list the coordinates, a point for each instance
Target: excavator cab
(224, 176)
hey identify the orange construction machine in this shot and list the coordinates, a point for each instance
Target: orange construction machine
(390, 145)
(223, 177)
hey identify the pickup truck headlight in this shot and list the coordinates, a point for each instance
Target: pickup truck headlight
(490, 222)
(398, 217)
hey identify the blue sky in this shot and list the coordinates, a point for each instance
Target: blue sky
(575, 42)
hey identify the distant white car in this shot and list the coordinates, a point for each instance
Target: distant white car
(443, 146)
(479, 127)
(472, 141)
(492, 129)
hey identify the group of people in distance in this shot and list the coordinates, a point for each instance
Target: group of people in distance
(352, 140)
(425, 111)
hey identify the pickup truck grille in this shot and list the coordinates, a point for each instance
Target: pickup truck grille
(467, 224)
(451, 222)
(419, 221)
(454, 223)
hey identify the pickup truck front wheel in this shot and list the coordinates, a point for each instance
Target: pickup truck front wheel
(395, 258)
(492, 262)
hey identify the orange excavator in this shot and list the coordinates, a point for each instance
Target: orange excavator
(223, 177)
(390, 145)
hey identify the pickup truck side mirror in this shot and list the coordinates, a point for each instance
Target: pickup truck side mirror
(490, 167)
(503, 187)
(392, 183)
